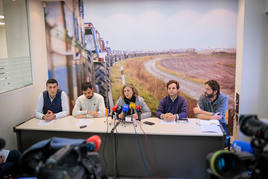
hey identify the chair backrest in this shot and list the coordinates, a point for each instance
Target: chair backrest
(229, 118)
(226, 116)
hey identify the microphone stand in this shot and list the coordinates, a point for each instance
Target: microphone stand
(115, 126)
(131, 116)
(132, 119)
(118, 122)
(116, 175)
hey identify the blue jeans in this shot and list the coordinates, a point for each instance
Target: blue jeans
(12, 164)
(227, 136)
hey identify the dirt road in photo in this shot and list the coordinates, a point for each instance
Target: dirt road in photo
(193, 69)
(190, 88)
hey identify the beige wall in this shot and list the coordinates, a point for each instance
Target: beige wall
(3, 44)
(18, 105)
(252, 59)
(16, 29)
(252, 82)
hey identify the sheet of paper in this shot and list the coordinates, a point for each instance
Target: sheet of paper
(45, 123)
(128, 119)
(168, 122)
(83, 122)
(211, 129)
(4, 153)
(209, 122)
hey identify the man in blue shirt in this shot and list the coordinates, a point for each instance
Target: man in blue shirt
(213, 105)
(52, 103)
(172, 107)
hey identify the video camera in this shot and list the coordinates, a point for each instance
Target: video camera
(54, 159)
(226, 164)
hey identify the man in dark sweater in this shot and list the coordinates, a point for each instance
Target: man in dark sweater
(52, 103)
(172, 107)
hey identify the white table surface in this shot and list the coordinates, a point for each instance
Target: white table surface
(99, 125)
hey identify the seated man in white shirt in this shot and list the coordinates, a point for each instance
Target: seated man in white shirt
(90, 104)
(52, 103)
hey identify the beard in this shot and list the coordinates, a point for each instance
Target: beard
(90, 96)
(209, 95)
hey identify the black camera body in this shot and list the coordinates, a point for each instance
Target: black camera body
(2, 143)
(226, 164)
(68, 162)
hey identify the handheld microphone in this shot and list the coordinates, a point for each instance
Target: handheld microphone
(132, 108)
(138, 109)
(242, 146)
(125, 111)
(2, 143)
(93, 143)
(118, 111)
(114, 110)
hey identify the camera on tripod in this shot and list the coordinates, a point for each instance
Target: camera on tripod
(242, 164)
(63, 158)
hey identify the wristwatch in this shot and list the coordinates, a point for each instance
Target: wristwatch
(87, 115)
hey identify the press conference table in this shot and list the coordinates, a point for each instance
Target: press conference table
(169, 150)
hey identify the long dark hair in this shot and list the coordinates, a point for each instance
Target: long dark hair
(135, 92)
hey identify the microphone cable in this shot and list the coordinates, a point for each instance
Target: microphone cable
(115, 154)
(149, 150)
(141, 154)
(104, 142)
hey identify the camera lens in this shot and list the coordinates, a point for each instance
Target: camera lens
(224, 163)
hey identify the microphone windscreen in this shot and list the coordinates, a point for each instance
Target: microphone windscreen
(132, 105)
(125, 108)
(96, 140)
(242, 146)
(138, 107)
(119, 109)
(114, 108)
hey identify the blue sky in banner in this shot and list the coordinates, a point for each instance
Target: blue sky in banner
(164, 24)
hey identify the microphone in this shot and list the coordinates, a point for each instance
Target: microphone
(118, 111)
(242, 146)
(132, 108)
(114, 110)
(138, 109)
(93, 143)
(125, 111)
(2, 143)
